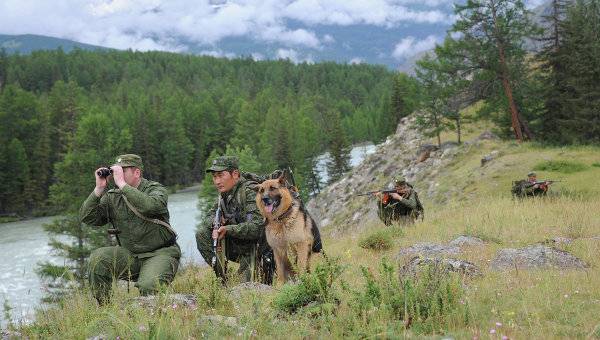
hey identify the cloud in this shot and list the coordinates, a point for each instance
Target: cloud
(356, 60)
(218, 54)
(162, 24)
(409, 46)
(293, 56)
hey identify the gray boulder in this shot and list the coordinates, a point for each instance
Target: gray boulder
(427, 248)
(466, 241)
(8, 334)
(444, 265)
(536, 256)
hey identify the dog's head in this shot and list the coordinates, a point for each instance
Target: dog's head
(273, 198)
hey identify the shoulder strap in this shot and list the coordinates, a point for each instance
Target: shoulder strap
(153, 220)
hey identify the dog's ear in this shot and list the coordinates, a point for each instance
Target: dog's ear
(281, 178)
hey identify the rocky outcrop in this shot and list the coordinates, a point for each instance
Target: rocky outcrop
(238, 290)
(536, 256)
(405, 153)
(443, 265)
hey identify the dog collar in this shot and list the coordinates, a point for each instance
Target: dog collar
(286, 213)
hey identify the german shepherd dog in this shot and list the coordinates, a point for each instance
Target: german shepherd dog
(288, 226)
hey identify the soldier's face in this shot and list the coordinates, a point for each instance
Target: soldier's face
(132, 176)
(532, 178)
(225, 180)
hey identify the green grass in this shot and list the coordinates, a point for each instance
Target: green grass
(566, 167)
(368, 300)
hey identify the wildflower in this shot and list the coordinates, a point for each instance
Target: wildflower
(142, 328)
(566, 296)
(498, 324)
(492, 331)
(174, 306)
(504, 337)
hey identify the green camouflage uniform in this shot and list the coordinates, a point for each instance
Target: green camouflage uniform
(245, 234)
(148, 253)
(395, 211)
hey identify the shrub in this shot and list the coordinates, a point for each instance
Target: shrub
(426, 303)
(317, 286)
(381, 239)
(567, 167)
(596, 165)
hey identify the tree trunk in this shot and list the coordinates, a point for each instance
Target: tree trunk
(458, 127)
(504, 76)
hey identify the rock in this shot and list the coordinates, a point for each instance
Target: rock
(488, 158)
(218, 320)
(536, 256)
(176, 300)
(486, 135)
(448, 145)
(446, 265)
(427, 248)
(237, 291)
(468, 241)
(8, 334)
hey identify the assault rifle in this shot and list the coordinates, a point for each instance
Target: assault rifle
(386, 191)
(548, 181)
(216, 226)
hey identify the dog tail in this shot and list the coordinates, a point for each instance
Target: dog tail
(317, 245)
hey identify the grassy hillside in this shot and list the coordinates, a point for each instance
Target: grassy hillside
(372, 303)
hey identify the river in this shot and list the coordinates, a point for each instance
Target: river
(25, 243)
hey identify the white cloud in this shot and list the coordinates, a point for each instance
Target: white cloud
(409, 46)
(159, 24)
(218, 54)
(293, 56)
(356, 60)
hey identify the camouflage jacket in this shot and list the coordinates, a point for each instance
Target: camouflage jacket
(243, 219)
(394, 209)
(136, 235)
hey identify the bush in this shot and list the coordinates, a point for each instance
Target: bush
(380, 239)
(316, 286)
(596, 165)
(426, 303)
(567, 167)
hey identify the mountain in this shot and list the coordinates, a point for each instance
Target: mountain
(28, 43)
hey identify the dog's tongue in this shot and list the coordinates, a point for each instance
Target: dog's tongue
(269, 208)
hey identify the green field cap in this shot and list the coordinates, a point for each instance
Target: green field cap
(223, 163)
(130, 160)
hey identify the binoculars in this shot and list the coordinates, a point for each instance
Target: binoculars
(104, 172)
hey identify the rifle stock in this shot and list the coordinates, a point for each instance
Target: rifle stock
(368, 193)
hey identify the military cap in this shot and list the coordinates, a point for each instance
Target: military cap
(130, 160)
(223, 163)
(398, 180)
(531, 173)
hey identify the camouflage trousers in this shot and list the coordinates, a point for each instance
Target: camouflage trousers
(148, 270)
(241, 251)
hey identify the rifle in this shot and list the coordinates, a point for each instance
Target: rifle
(530, 184)
(386, 191)
(216, 226)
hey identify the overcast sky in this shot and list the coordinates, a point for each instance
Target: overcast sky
(162, 24)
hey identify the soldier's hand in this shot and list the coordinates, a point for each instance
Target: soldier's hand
(101, 183)
(536, 186)
(396, 196)
(219, 234)
(118, 176)
(377, 194)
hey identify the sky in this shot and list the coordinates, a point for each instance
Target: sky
(171, 25)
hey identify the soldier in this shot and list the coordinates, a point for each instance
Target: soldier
(533, 187)
(241, 231)
(401, 206)
(137, 209)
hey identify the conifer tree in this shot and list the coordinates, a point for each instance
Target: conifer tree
(492, 37)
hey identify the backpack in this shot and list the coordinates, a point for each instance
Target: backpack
(518, 187)
(420, 210)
